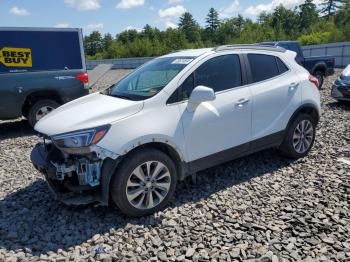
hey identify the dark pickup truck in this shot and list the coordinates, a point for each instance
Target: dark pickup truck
(318, 66)
(40, 69)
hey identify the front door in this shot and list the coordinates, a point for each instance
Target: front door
(221, 129)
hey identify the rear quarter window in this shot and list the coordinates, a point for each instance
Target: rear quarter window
(282, 68)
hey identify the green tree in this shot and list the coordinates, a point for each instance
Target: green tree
(284, 22)
(329, 7)
(174, 39)
(308, 15)
(107, 41)
(151, 33)
(128, 36)
(93, 43)
(342, 17)
(230, 29)
(212, 20)
(189, 27)
(302, 24)
(209, 34)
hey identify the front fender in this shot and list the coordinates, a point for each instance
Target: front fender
(153, 138)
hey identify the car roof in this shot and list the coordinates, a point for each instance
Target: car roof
(201, 51)
(253, 47)
(189, 52)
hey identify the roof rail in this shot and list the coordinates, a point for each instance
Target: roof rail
(250, 47)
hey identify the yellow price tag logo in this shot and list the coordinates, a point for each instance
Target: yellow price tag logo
(16, 57)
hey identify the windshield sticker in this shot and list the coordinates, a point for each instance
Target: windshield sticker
(182, 61)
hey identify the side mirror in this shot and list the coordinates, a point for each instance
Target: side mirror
(199, 95)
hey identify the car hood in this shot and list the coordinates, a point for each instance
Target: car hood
(87, 112)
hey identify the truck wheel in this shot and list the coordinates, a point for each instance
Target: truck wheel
(144, 182)
(40, 109)
(320, 77)
(299, 138)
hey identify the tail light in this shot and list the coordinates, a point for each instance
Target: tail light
(84, 78)
(314, 80)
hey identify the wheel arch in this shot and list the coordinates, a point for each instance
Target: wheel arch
(308, 108)
(110, 165)
(35, 96)
(167, 149)
(320, 67)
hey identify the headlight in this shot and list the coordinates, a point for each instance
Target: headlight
(81, 138)
(338, 82)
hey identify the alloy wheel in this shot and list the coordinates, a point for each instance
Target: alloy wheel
(148, 185)
(43, 111)
(303, 136)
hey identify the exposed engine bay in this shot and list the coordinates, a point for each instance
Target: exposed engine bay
(77, 170)
(75, 178)
(89, 173)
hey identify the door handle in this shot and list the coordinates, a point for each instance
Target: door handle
(293, 86)
(242, 101)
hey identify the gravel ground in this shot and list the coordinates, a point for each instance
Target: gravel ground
(259, 207)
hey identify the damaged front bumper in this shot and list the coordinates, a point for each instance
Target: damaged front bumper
(72, 178)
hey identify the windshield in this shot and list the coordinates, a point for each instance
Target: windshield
(150, 79)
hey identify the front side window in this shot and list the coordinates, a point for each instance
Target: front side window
(149, 79)
(219, 73)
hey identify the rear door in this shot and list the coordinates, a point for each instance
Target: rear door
(275, 93)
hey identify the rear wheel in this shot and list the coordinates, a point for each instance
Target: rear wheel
(299, 138)
(40, 109)
(320, 77)
(144, 182)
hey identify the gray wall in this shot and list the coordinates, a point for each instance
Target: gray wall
(341, 52)
(120, 63)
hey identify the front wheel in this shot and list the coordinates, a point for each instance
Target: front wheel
(40, 109)
(299, 138)
(144, 182)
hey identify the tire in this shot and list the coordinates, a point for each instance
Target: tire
(320, 77)
(125, 182)
(37, 109)
(290, 145)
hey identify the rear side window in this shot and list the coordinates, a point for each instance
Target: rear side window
(262, 67)
(265, 66)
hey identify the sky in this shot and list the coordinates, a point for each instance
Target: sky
(114, 16)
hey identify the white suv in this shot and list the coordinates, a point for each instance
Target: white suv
(176, 115)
